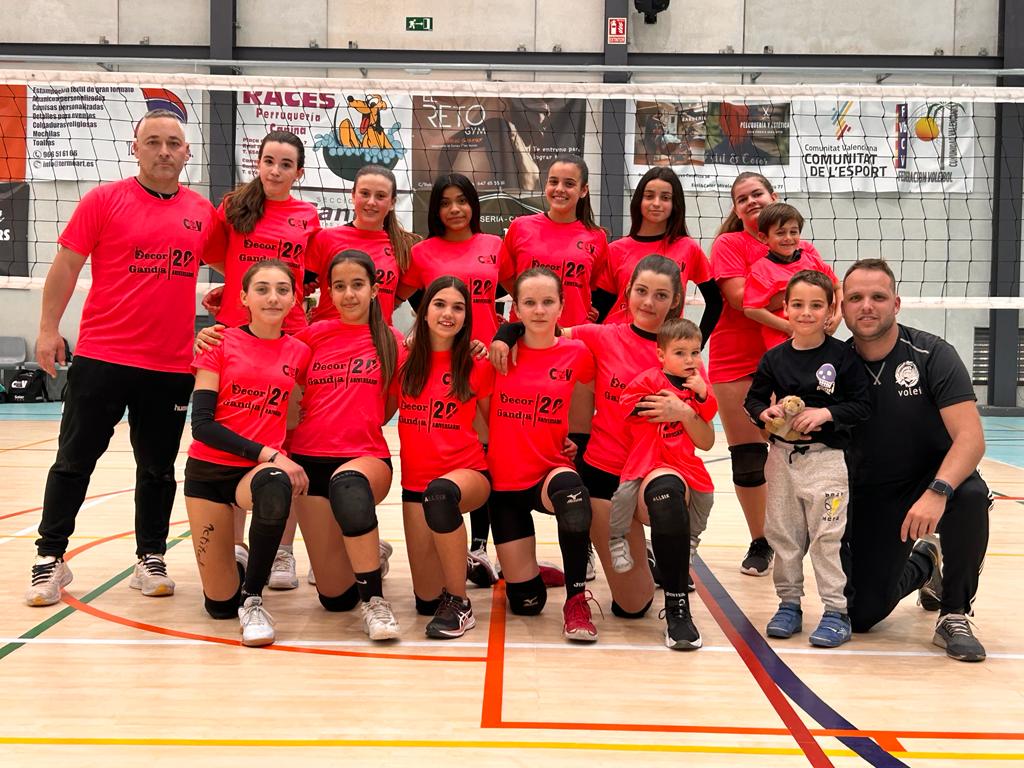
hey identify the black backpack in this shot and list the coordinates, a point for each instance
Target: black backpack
(29, 387)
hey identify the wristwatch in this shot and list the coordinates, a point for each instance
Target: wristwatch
(941, 486)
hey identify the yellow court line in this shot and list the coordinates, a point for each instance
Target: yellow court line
(440, 744)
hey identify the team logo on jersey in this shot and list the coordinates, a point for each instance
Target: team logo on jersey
(563, 375)
(487, 258)
(195, 225)
(833, 501)
(826, 376)
(299, 223)
(907, 374)
(446, 378)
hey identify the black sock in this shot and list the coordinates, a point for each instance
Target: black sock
(480, 527)
(575, 551)
(673, 555)
(370, 584)
(264, 540)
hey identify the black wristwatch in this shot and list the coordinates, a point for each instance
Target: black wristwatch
(941, 486)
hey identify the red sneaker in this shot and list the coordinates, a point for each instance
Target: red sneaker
(578, 624)
(551, 575)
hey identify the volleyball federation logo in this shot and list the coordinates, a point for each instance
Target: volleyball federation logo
(161, 98)
(933, 123)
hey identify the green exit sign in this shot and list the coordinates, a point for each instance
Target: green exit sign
(419, 23)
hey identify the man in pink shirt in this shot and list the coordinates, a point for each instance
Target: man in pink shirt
(146, 236)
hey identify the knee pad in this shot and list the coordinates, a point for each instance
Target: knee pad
(571, 502)
(346, 601)
(527, 598)
(622, 613)
(427, 607)
(223, 609)
(748, 464)
(441, 506)
(271, 497)
(665, 497)
(352, 503)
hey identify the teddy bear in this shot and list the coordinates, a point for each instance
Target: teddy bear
(779, 425)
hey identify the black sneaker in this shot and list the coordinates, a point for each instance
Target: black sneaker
(453, 617)
(680, 634)
(930, 595)
(758, 561)
(953, 632)
(655, 570)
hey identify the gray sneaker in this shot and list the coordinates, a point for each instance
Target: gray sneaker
(930, 595)
(953, 632)
(49, 576)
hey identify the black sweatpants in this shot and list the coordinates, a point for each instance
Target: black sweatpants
(883, 571)
(97, 395)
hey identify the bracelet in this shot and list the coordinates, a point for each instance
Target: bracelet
(273, 458)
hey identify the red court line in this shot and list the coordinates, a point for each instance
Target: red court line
(26, 445)
(87, 498)
(494, 675)
(100, 614)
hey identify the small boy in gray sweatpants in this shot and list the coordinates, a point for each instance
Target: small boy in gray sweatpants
(808, 487)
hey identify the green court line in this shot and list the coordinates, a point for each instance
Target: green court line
(58, 617)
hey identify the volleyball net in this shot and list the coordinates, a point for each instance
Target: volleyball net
(905, 173)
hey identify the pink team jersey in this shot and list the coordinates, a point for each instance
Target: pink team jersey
(665, 444)
(768, 279)
(282, 233)
(145, 255)
(328, 243)
(621, 352)
(436, 429)
(529, 415)
(474, 261)
(257, 377)
(576, 254)
(736, 345)
(342, 409)
(626, 252)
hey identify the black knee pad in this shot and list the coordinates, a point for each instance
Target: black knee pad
(223, 609)
(622, 613)
(748, 464)
(441, 506)
(665, 497)
(271, 498)
(571, 501)
(346, 601)
(427, 607)
(527, 598)
(352, 503)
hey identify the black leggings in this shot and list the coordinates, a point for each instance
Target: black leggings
(883, 573)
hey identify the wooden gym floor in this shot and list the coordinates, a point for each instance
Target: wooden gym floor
(109, 678)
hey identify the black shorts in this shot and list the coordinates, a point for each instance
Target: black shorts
(213, 482)
(600, 484)
(416, 497)
(319, 470)
(511, 513)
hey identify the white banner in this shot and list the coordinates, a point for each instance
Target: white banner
(911, 146)
(341, 132)
(709, 142)
(85, 132)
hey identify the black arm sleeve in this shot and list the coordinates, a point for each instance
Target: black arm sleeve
(603, 302)
(510, 333)
(713, 304)
(207, 431)
(415, 299)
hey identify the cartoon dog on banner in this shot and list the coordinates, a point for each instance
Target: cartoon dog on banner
(348, 149)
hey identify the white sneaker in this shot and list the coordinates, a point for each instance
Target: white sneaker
(386, 550)
(378, 620)
(591, 568)
(311, 577)
(480, 570)
(255, 623)
(242, 558)
(151, 577)
(282, 572)
(622, 560)
(49, 576)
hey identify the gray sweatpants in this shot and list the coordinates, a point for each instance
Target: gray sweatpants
(808, 492)
(624, 504)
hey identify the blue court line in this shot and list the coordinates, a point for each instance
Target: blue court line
(786, 678)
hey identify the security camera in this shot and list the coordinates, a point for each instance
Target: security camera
(650, 9)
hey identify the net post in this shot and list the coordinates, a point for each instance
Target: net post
(1008, 191)
(222, 103)
(613, 118)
